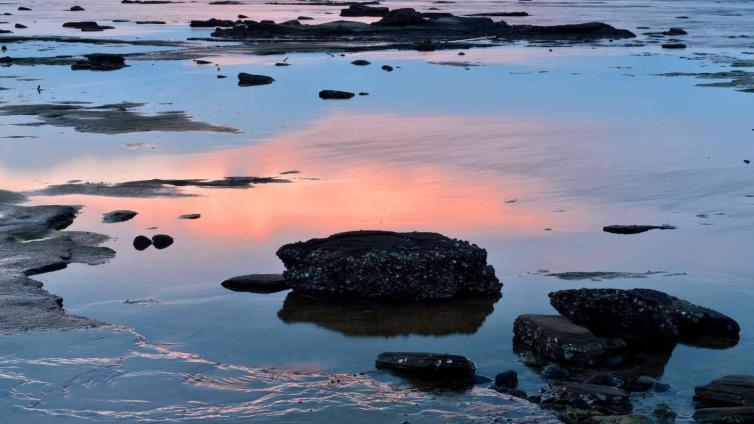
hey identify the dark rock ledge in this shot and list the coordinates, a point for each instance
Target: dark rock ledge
(32, 242)
(408, 25)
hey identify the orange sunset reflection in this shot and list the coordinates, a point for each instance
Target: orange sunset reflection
(370, 176)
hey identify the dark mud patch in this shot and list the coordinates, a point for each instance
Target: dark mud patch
(151, 188)
(119, 118)
(32, 242)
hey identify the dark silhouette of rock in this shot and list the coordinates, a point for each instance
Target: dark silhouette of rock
(361, 10)
(402, 17)
(257, 283)
(387, 68)
(558, 339)
(249, 80)
(360, 62)
(100, 62)
(190, 216)
(434, 366)
(20, 26)
(664, 413)
(118, 216)
(674, 46)
(142, 242)
(76, 9)
(389, 318)
(675, 32)
(388, 265)
(162, 241)
(335, 95)
(634, 229)
(212, 23)
(87, 26)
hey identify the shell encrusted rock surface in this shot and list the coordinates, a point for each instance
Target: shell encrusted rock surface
(388, 265)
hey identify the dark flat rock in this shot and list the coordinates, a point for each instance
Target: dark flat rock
(190, 216)
(634, 229)
(257, 283)
(603, 399)
(118, 216)
(436, 366)
(388, 265)
(212, 23)
(731, 390)
(335, 95)
(620, 313)
(249, 80)
(729, 415)
(557, 338)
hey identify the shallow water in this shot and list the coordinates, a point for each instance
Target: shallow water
(528, 153)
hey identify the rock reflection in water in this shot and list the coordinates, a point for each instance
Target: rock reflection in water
(389, 319)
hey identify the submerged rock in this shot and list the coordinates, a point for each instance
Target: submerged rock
(335, 95)
(557, 338)
(434, 366)
(248, 80)
(634, 229)
(257, 283)
(619, 419)
(731, 390)
(388, 265)
(507, 380)
(664, 413)
(100, 62)
(589, 397)
(118, 216)
(674, 46)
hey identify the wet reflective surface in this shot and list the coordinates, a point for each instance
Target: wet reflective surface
(528, 155)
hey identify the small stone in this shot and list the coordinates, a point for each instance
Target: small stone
(250, 80)
(664, 412)
(387, 68)
(361, 62)
(507, 379)
(121, 215)
(190, 216)
(142, 242)
(162, 241)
